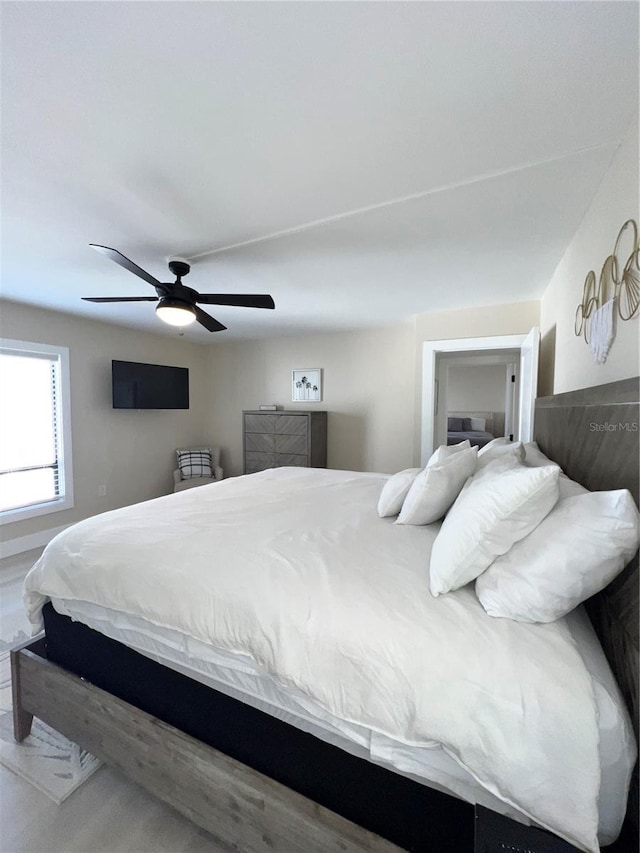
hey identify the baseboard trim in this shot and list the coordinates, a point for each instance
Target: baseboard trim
(27, 543)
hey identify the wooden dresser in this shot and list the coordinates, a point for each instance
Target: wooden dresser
(275, 439)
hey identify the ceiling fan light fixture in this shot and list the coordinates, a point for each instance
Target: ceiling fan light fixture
(175, 312)
(178, 305)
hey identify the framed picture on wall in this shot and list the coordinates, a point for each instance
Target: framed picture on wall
(306, 385)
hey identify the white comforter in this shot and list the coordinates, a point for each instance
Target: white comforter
(294, 568)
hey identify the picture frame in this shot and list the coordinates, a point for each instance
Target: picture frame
(306, 385)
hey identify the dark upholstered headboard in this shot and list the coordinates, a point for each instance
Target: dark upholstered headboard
(594, 435)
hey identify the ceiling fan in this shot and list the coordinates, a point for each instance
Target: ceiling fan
(177, 304)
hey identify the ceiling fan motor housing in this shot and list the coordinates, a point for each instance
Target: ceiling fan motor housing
(179, 267)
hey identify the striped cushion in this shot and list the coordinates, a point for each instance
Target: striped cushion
(194, 463)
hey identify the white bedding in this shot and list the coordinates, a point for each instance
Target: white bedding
(333, 602)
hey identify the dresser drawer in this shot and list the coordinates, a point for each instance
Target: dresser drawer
(254, 462)
(291, 444)
(292, 424)
(260, 442)
(259, 423)
(287, 459)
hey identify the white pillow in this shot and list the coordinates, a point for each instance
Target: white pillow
(497, 507)
(436, 488)
(500, 447)
(569, 488)
(534, 457)
(445, 450)
(578, 549)
(395, 491)
(478, 424)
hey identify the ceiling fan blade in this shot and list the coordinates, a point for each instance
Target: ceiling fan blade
(120, 259)
(207, 321)
(242, 300)
(120, 298)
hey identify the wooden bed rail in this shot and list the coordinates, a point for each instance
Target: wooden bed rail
(236, 804)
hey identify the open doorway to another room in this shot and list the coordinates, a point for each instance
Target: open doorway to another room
(521, 350)
(476, 396)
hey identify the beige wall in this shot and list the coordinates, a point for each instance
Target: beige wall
(511, 318)
(131, 452)
(368, 383)
(566, 362)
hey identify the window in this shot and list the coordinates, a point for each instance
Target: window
(35, 430)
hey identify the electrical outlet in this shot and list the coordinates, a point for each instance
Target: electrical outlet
(102, 491)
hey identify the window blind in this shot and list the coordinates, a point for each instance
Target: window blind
(29, 429)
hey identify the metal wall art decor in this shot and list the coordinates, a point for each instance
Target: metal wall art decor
(616, 294)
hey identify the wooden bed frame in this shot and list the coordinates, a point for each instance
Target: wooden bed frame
(236, 804)
(592, 434)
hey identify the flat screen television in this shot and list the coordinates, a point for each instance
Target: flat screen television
(149, 386)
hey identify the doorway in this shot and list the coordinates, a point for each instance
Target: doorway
(476, 396)
(519, 350)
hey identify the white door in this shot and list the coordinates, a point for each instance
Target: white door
(528, 383)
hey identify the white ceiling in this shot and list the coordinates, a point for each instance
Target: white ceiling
(362, 162)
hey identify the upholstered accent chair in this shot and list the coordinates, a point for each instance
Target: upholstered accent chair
(197, 466)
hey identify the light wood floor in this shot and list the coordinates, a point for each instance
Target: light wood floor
(107, 814)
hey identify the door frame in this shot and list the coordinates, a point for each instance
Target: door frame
(497, 358)
(430, 352)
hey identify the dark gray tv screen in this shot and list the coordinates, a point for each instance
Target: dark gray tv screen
(149, 386)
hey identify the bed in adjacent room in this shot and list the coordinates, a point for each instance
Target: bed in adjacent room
(278, 619)
(479, 428)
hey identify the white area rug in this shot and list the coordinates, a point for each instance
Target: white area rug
(46, 759)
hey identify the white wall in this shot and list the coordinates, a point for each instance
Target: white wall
(566, 363)
(131, 452)
(368, 382)
(476, 387)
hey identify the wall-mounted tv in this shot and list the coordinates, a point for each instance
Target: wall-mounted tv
(149, 386)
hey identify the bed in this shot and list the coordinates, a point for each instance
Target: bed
(479, 428)
(255, 740)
